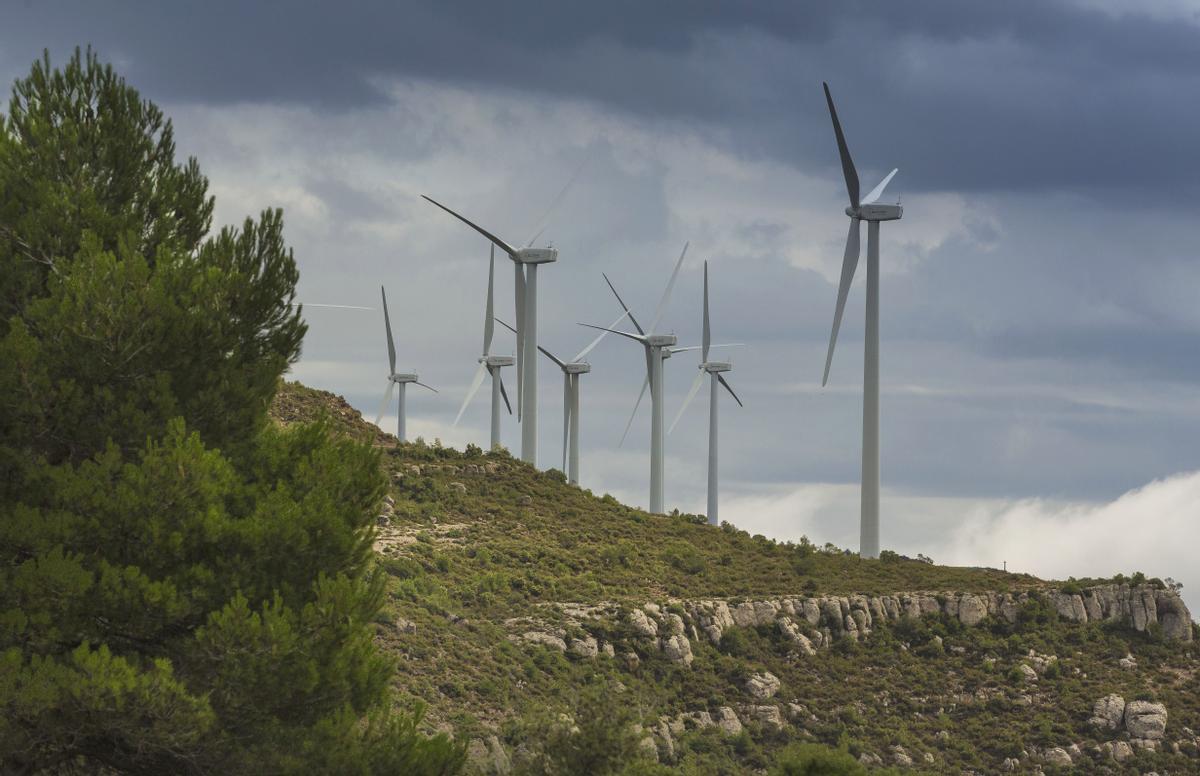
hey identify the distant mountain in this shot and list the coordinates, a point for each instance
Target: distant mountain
(534, 619)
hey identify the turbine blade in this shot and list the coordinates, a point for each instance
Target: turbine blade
(849, 264)
(595, 342)
(877, 192)
(503, 393)
(848, 170)
(623, 305)
(511, 251)
(552, 357)
(721, 378)
(426, 387)
(707, 328)
(633, 337)
(488, 324)
(387, 399)
(519, 285)
(666, 297)
(475, 383)
(387, 324)
(691, 395)
(334, 306)
(632, 415)
(541, 222)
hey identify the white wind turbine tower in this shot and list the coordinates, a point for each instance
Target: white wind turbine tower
(867, 209)
(713, 369)
(489, 364)
(394, 378)
(571, 371)
(525, 263)
(658, 347)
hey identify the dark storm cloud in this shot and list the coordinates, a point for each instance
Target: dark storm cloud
(965, 96)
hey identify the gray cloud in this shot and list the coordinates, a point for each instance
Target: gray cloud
(1012, 96)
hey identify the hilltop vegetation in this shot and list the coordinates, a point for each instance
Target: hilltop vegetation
(508, 587)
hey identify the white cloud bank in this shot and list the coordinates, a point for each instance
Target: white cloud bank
(1154, 528)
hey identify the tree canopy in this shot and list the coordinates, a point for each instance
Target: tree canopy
(184, 586)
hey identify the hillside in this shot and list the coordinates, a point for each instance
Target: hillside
(515, 599)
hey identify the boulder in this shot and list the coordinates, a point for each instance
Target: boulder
(673, 624)
(458, 487)
(1056, 755)
(1144, 719)
(405, 626)
(1027, 673)
(762, 686)
(1129, 663)
(766, 715)
(1121, 751)
(1108, 713)
(901, 757)
(728, 721)
(677, 649)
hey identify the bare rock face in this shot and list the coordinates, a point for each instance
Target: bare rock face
(1108, 713)
(1144, 719)
(1027, 673)
(971, 609)
(643, 625)
(728, 721)
(1173, 615)
(762, 686)
(548, 639)
(586, 647)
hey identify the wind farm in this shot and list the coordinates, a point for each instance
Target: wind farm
(227, 547)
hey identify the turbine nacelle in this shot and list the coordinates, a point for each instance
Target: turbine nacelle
(716, 366)
(497, 361)
(660, 340)
(873, 212)
(576, 368)
(537, 255)
(408, 377)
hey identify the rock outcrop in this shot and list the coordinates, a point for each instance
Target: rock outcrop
(1145, 720)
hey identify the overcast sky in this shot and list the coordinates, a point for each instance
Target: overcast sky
(1040, 325)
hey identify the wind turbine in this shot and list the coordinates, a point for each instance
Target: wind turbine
(489, 364)
(658, 347)
(713, 369)
(394, 378)
(571, 371)
(867, 209)
(525, 263)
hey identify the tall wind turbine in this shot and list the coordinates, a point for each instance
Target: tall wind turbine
(525, 263)
(395, 379)
(658, 347)
(867, 209)
(489, 364)
(571, 371)
(713, 369)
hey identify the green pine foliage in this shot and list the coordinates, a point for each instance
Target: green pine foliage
(185, 587)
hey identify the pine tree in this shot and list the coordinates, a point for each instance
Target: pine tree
(184, 587)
